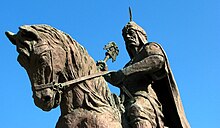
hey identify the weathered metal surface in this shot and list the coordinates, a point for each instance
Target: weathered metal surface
(50, 56)
(62, 73)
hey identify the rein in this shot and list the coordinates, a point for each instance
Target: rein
(59, 87)
(67, 84)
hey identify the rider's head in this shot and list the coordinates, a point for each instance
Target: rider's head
(134, 36)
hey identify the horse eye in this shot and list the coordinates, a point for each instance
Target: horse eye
(41, 60)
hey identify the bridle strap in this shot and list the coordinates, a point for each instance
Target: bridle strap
(42, 86)
(63, 86)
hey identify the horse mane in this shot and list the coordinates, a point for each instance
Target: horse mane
(77, 56)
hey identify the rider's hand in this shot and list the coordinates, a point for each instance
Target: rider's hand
(102, 65)
(115, 78)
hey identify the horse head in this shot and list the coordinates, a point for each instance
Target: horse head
(51, 57)
(43, 60)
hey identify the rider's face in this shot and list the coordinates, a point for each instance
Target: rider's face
(131, 38)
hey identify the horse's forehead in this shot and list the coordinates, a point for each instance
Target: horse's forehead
(41, 47)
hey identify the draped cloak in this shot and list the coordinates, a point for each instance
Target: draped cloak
(168, 95)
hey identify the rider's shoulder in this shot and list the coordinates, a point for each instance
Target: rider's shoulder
(152, 46)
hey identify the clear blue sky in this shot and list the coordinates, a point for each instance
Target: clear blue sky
(187, 29)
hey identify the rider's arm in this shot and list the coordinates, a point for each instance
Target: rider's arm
(150, 60)
(153, 61)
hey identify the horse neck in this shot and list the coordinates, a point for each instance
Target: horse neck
(90, 94)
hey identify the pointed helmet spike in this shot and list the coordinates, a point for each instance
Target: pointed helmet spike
(132, 25)
(130, 13)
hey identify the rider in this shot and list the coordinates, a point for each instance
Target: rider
(137, 76)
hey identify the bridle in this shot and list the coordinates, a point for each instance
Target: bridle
(63, 86)
(59, 88)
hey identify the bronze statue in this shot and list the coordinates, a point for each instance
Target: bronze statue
(62, 73)
(51, 57)
(148, 89)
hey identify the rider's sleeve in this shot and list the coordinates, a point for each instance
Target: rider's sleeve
(152, 60)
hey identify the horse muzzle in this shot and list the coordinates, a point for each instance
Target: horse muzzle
(46, 99)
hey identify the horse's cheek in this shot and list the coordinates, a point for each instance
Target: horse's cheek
(59, 59)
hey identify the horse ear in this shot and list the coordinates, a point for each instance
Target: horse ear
(29, 32)
(11, 36)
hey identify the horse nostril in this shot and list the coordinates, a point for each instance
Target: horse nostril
(47, 98)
